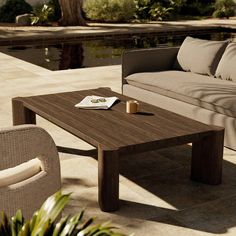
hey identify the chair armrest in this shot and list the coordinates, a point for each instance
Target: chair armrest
(23, 143)
(20, 173)
(147, 60)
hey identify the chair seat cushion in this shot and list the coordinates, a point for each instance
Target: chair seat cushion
(20, 173)
(204, 91)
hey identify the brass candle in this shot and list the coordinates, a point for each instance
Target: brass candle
(132, 106)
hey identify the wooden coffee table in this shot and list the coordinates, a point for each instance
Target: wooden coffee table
(114, 133)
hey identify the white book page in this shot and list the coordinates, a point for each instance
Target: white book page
(96, 102)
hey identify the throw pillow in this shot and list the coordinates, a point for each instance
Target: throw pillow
(200, 56)
(227, 65)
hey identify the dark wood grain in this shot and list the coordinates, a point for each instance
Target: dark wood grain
(207, 158)
(114, 128)
(21, 114)
(115, 132)
(108, 179)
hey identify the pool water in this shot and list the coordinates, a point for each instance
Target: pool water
(101, 51)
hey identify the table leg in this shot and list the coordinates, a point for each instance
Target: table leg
(22, 115)
(207, 156)
(108, 179)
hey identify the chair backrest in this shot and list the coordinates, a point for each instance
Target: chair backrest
(31, 151)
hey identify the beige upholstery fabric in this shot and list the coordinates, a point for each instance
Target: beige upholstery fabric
(21, 144)
(203, 91)
(20, 173)
(152, 59)
(227, 65)
(200, 56)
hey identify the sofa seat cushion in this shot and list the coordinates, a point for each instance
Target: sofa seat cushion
(200, 56)
(204, 91)
(227, 65)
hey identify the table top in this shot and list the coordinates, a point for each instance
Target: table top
(114, 129)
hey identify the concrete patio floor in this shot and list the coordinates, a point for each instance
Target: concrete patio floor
(157, 196)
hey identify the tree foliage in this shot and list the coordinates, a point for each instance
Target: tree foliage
(42, 14)
(224, 8)
(198, 7)
(54, 4)
(13, 8)
(169, 9)
(110, 10)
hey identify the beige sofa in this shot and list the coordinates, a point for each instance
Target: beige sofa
(196, 80)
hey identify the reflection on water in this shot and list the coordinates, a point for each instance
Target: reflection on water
(71, 56)
(99, 52)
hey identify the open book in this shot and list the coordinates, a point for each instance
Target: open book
(96, 102)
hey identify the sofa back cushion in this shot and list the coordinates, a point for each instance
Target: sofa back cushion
(227, 65)
(200, 56)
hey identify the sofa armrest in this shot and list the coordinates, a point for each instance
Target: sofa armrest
(145, 60)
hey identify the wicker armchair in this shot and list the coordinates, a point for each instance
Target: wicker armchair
(20, 145)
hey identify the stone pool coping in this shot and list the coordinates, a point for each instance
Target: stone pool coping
(12, 35)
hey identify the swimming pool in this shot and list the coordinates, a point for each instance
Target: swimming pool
(84, 53)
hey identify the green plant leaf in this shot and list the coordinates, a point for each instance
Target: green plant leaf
(43, 222)
(25, 231)
(33, 220)
(98, 230)
(42, 14)
(50, 210)
(34, 20)
(5, 227)
(60, 226)
(71, 225)
(17, 223)
(43, 229)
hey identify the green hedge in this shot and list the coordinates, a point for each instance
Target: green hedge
(56, 9)
(224, 8)
(109, 10)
